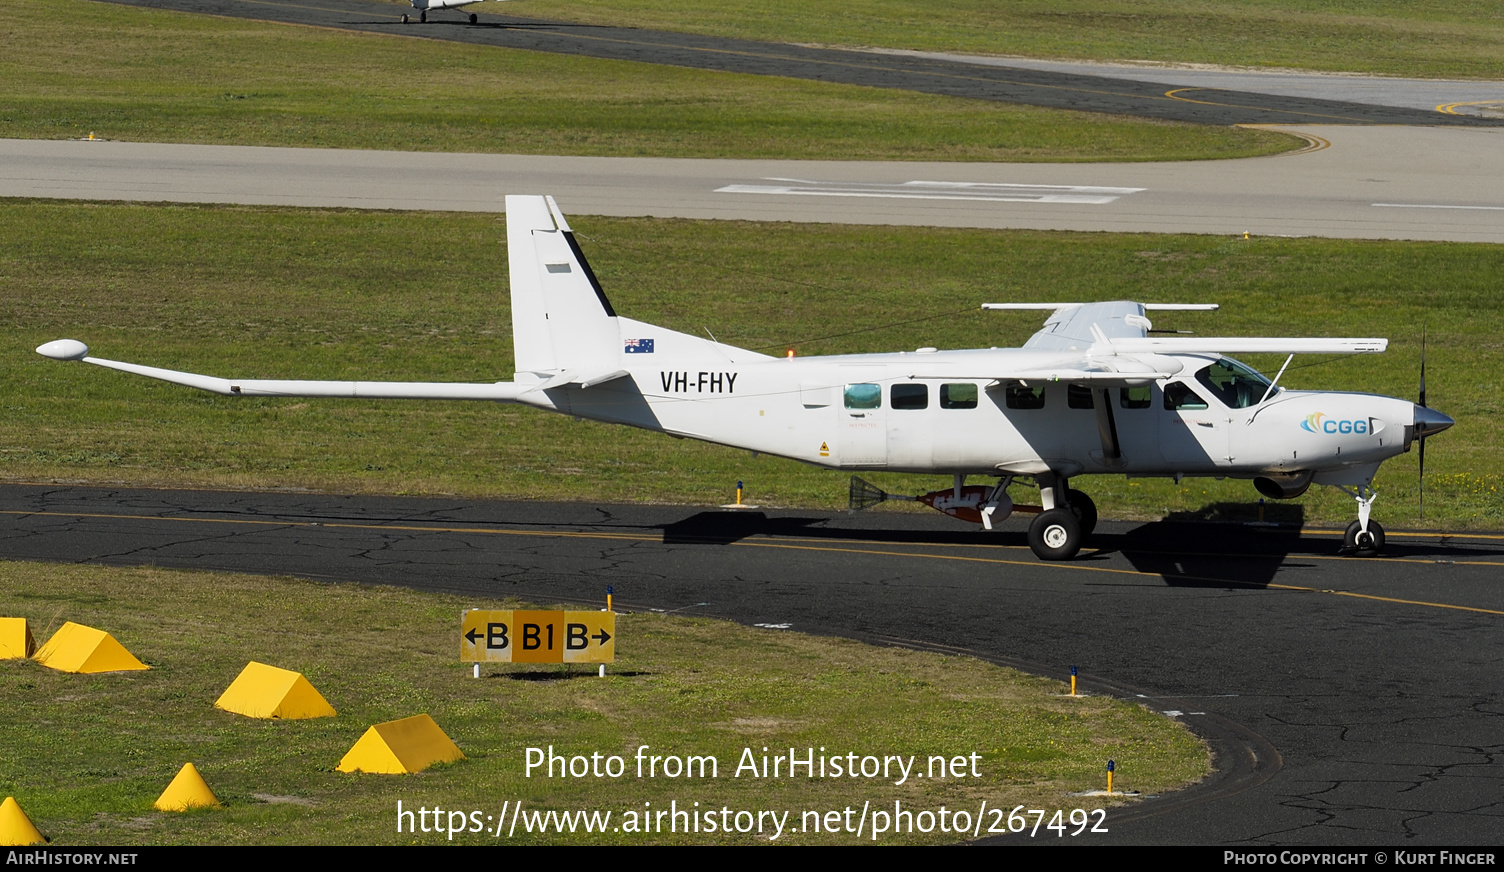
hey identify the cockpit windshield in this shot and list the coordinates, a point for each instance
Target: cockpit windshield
(1235, 384)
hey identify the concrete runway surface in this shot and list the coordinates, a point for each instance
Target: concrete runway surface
(1423, 183)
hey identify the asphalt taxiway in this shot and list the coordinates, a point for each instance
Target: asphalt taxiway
(1055, 87)
(1350, 701)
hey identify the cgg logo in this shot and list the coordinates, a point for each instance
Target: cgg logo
(1320, 423)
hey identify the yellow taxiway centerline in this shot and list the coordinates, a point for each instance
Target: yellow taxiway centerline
(816, 544)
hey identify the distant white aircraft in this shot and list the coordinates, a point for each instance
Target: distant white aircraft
(424, 5)
(1091, 393)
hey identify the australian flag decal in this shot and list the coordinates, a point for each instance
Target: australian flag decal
(638, 346)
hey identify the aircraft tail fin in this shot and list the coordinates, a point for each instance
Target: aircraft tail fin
(561, 319)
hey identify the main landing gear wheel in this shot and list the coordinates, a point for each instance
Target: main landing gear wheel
(404, 18)
(423, 16)
(1055, 535)
(1084, 509)
(474, 19)
(1361, 544)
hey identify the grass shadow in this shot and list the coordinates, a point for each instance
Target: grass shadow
(549, 675)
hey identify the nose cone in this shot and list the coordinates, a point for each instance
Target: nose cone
(1429, 422)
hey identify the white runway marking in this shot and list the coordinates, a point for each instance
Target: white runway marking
(1437, 206)
(995, 192)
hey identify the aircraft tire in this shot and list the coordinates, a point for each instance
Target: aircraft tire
(1084, 509)
(1055, 535)
(404, 19)
(1359, 545)
(474, 19)
(423, 16)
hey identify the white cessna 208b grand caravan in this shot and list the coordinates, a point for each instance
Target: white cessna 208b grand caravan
(1092, 393)
(423, 7)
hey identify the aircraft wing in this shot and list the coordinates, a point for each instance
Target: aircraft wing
(1070, 325)
(1091, 377)
(1121, 327)
(1250, 344)
(70, 349)
(1095, 370)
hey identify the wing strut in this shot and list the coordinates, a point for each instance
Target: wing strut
(1276, 380)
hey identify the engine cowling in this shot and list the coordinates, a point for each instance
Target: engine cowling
(1284, 486)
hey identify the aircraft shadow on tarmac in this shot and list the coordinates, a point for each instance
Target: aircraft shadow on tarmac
(1187, 549)
(1217, 545)
(724, 528)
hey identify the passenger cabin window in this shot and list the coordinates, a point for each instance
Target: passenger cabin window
(1078, 397)
(1236, 385)
(864, 397)
(1020, 397)
(958, 396)
(1178, 395)
(1135, 398)
(910, 396)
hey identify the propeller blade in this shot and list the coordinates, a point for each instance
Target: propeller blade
(1422, 402)
(1421, 483)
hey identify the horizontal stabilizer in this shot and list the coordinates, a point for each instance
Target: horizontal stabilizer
(553, 380)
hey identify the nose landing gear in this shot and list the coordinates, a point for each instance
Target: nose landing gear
(1364, 538)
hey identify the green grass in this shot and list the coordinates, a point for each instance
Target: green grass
(1428, 38)
(87, 755)
(287, 293)
(145, 75)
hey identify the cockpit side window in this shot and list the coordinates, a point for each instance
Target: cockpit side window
(1236, 385)
(1179, 396)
